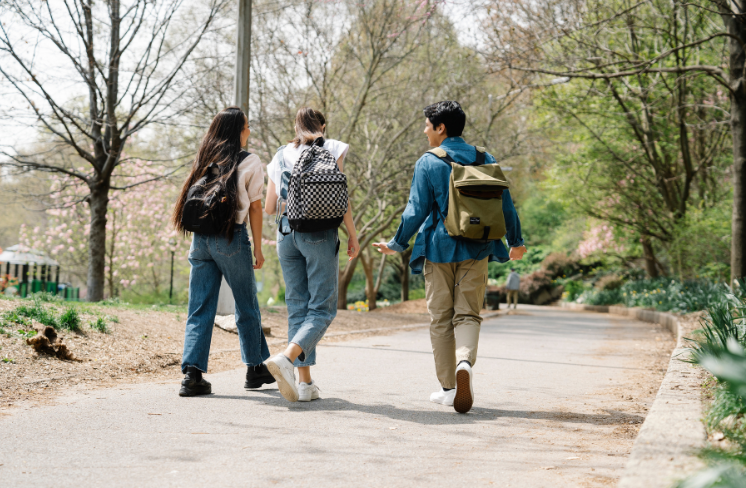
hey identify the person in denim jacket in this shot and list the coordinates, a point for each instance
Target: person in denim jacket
(455, 269)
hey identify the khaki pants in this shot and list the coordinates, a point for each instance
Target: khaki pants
(454, 313)
(513, 296)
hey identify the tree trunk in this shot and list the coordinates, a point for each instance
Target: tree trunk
(345, 277)
(98, 202)
(737, 29)
(404, 276)
(650, 261)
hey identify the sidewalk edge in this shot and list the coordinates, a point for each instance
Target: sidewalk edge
(665, 448)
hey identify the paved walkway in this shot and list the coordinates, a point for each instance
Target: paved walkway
(543, 417)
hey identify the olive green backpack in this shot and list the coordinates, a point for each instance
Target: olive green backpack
(475, 207)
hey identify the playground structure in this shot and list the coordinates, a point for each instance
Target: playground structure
(30, 271)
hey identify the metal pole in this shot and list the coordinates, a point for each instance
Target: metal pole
(243, 56)
(241, 99)
(171, 288)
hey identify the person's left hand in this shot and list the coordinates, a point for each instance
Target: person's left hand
(353, 247)
(259, 257)
(383, 248)
(516, 253)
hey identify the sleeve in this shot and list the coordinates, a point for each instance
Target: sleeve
(419, 207)
(255, 181)
(512, 222)
(339, 149)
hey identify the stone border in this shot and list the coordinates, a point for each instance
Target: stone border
(665, 448)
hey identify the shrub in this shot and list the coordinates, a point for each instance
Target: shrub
(573, 289)
(70, 319)
(558, 264)
(609, 282)
(100, 325)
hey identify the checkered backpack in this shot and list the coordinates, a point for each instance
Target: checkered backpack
(317, 191)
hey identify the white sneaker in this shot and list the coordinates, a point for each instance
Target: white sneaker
(443, 397)
(464, 398)
(308, 392)
(283, 371)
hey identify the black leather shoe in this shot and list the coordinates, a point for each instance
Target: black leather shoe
(194, 384)
(256, 376)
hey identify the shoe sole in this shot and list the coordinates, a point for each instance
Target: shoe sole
(463, 401)
(254, 386)
(190, 393)
(286, 389)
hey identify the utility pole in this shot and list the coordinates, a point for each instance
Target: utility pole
(243, 56)
(226, 305)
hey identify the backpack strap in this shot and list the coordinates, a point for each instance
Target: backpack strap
(442, 154)
(480, 156)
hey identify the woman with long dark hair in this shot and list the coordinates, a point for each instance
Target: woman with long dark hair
(238, 176)
(310, 264)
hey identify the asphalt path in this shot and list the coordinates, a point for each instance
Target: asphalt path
(543, 416)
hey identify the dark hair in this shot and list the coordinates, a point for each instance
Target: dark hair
(221, 146)
(448, 113)
(309, 125)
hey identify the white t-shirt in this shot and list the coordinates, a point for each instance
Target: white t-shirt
(250, 186)
(291, 154)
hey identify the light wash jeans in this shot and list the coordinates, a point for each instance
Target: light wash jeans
(310, 264)
(212, 257)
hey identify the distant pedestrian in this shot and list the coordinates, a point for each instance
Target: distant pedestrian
(221, 194)
(309, 258)
(458, 232)
(513, 285)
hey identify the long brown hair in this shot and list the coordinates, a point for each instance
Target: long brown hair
(221, 146)
(309, 124)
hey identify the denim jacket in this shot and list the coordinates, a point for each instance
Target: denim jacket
(428, 193)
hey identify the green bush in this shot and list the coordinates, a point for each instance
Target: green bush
(663, 294)
(100, 325)
(573, 289)
(70, 319)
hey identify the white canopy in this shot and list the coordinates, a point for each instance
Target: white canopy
(19, 254)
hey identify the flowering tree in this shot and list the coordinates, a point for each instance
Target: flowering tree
(599, 240)
(140, 242)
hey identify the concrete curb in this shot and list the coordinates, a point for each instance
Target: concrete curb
(665, 448)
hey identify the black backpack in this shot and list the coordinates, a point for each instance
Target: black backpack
(206, 212)
(317, 191)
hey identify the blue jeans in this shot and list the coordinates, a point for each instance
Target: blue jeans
(212, 257)
(310, 264)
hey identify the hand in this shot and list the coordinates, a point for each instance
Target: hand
(384, 248)
(516, 253)
(353, 247)
(259, 258)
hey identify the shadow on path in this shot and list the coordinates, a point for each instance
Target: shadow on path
(446, 416)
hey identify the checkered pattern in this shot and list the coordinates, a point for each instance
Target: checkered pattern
(317, 189)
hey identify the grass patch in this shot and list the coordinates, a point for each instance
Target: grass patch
(37, 312)
(70, 319)
(100, 325)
